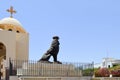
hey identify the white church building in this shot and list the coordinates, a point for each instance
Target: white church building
(14, 41)
(107, 63)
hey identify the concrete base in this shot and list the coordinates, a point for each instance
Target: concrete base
(107, 78)
(55, 78)
(13, 78)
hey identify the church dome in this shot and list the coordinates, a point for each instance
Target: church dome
(11, 24)
(10, 21)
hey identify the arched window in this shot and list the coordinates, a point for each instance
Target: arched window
(2, 47)
(18, 31)
(9, 29)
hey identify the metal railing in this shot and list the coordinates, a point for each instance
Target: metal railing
(34, 68)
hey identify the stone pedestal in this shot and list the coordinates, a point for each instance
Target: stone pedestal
(47, 69)
(13, 78)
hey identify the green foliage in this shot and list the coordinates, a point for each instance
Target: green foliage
(115, 71)
(117, 67)
(88, 72)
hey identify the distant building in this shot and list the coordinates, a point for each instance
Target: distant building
(107, 63)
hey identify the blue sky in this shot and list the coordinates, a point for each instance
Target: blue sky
(89, 30)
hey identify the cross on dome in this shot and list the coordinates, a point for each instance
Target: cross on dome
(11, 11)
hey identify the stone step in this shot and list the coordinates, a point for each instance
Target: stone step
(55, 78)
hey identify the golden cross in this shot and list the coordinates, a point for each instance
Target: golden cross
(11, 10)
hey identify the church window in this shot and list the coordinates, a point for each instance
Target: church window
(9, 29)
(18, 31)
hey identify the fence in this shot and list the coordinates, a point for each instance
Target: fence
(34, 68)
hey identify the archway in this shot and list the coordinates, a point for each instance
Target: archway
(2, 51)
(2, 56)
